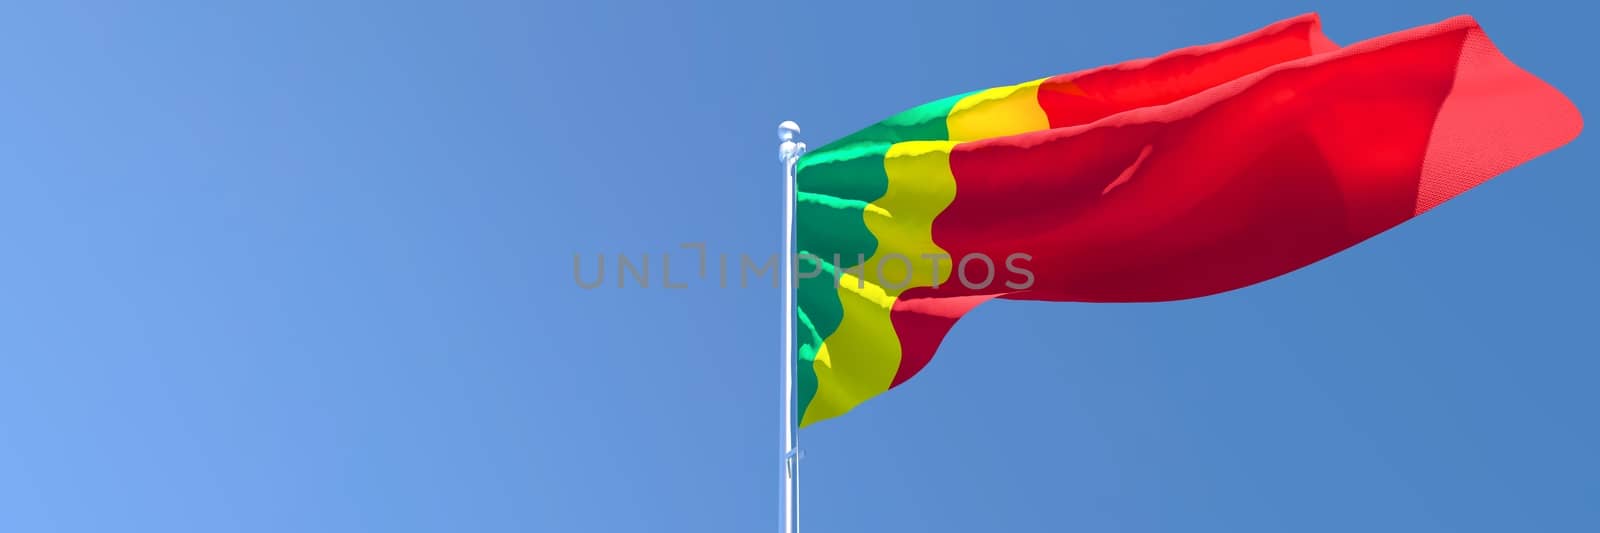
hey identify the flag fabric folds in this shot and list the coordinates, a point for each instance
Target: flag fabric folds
(1200, 171)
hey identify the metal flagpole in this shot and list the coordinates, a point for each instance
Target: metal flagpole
(789, 151)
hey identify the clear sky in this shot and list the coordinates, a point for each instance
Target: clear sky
(307, 266)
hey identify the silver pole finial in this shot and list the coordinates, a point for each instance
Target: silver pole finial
(789, 148)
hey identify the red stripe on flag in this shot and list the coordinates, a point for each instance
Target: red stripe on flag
(1086, 96)
(1239, 183)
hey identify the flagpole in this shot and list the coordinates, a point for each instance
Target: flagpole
(789, 151)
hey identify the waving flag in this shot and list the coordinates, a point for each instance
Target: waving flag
(1201, 171)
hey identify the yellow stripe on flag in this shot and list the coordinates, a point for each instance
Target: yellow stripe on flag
(998, 112)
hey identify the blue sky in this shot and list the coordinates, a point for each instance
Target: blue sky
(306, 266)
